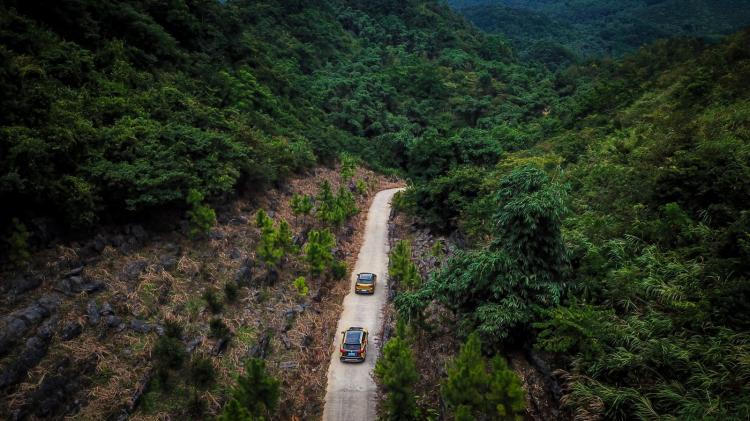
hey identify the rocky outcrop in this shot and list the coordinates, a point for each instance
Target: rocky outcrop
(18, 324)
(33, 351)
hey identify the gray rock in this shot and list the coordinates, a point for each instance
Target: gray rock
(140, 326)
(98, 243)
(133, 270)
(285, 340)
(193, 344)
(92, 310)
(71, 330)
(239, 220)
(216, 235)
(307, 340)
(33, 314)
(288, 365)
(138, 232)
(23, 284)
(245, 272)
(118, 240)
(168, 262)
(113, 321)
(235, 254)
(106, 309)
(73, 272)
(262, 348)
(34, 350)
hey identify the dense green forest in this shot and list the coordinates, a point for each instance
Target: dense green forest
(603, 206)
(619, 242)
(557, 32)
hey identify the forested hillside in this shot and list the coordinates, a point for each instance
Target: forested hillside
(559, 31)
(619, 242)
(597, 212)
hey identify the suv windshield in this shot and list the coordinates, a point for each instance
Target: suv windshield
(365, 278)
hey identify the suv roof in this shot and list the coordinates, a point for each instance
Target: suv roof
(365, 276)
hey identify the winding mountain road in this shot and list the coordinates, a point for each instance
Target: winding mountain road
(351, 393)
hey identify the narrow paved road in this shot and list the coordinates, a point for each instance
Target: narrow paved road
(351, 391)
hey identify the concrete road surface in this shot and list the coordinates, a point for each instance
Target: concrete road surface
(351, 391)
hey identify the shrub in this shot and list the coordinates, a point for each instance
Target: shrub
(202, 372)
(213, 301)
(275, 243)
(318, 254)
(234, 411)
(348, 165)
(301, 205)
(200, 216)
(169, 354)
(173, 329)
(218, 329)
(231, 291)
(17, 244)
(361, 187)
(256, 391)
(338, 270)
(301, 285)
(335, 209)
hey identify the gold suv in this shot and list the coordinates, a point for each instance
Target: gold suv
(365, 283)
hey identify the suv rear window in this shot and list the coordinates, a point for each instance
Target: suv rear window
(351, 347)
(353, 338)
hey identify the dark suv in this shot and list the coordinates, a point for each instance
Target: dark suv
(354, 344)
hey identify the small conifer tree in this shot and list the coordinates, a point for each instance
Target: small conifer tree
(397, 373)
(474, 392)
(201, 217)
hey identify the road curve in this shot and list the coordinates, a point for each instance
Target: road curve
(351, 392)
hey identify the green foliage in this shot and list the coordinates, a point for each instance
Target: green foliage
(169, 354)
(397, 373)
(219, 329)
(402, 269)
(301, 205)
(17, 244)
(318, 251)
(332, 209)
(200, 216)
(348, 166)
(300, 284)
(475, 391)
(234, 411)
(256, 391)
(213, 300)
(509, 284)
(338, 270)
(361, 187)
(605, 27)
(202, 372)
(275, 242)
